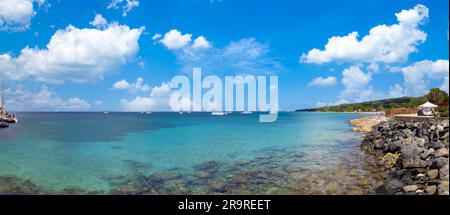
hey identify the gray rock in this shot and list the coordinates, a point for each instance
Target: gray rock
(392, 185)
(438, 163)
(443, 152)
(435, 145)
(443, 173)
(394, 147)
(410, 188)
(440, 128)
(427, 153)
(376, 134)
(378, 144)
(397, 133)
(411, 150)
(420, 142)
(412, 162)
(424, 164)
(408, 132)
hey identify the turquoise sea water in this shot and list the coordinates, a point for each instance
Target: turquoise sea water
(86, 150)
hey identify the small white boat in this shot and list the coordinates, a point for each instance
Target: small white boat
(106, 112)
(180, 112)
(246, 112)
(218, 113)
(148, 112)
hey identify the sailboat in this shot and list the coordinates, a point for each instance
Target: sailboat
(4, 116)
(218, 113)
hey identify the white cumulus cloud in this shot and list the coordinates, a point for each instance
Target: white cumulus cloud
(174, 39)
(323, 82)
(78, 55)
(384, 43)
(16, 15)
(156, 36)
(357, 86)
(137, 86)
(396, 91)
(158, 100)
(99, 21)
(201, 43)
(125, 5)
(43, 100)
(417, 76)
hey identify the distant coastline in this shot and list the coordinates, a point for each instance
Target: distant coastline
(393, 106)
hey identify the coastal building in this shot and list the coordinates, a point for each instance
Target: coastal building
(427, 109)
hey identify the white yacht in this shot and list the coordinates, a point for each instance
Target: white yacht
(218, 113)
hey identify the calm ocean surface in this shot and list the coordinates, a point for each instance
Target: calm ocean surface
(90, 150)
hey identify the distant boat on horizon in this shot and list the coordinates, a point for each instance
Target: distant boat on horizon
(218, 113)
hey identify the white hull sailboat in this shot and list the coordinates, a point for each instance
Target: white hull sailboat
(218, 113)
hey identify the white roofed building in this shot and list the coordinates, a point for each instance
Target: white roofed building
(427, 109)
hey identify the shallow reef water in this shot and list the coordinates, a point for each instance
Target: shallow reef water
(302, 153)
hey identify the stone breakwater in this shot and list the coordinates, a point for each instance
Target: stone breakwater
(411, 157)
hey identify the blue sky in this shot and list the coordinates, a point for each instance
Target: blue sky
(54, 57)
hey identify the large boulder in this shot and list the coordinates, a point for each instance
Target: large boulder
(394, 147)
(443, 152)
(426, 154)
(438, 163)
(433, 173)
(378, 144)
(411, 150)
(436, 145)
(443, 173)
(393, 185)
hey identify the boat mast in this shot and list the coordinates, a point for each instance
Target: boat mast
(3, 98)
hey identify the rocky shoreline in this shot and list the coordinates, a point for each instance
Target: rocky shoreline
(365, 124)
(411, 157)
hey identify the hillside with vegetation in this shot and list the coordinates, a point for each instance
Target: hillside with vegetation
(392, 106)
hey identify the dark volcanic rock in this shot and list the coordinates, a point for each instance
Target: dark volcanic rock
(393, 185)
(378, 144)
(427, 153)
(411, 151)
(394, 147)
(436, 145)
(438, 163)
(414, 156)
(412, 162)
